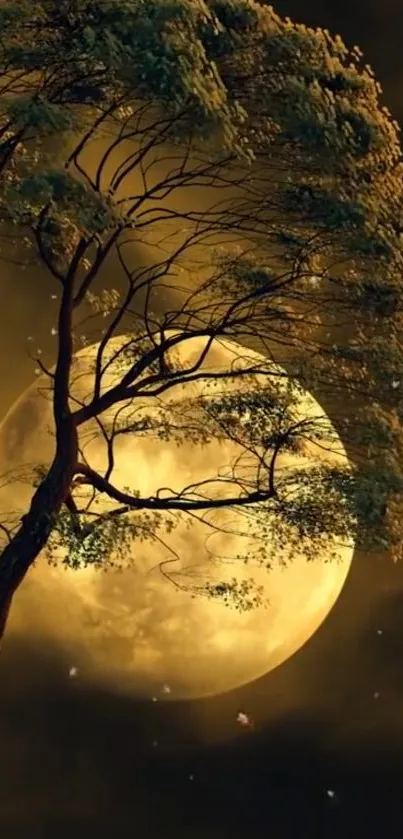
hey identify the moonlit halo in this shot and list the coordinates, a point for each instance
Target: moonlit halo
(136, 629)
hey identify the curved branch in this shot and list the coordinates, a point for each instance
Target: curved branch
(44, 369)
(92, 273)
(91, 477)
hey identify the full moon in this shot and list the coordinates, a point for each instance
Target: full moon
(134, 628)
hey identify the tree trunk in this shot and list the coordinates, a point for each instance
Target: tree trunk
(4, 613)
(38, 523)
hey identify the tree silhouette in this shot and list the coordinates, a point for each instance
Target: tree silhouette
(296, 254)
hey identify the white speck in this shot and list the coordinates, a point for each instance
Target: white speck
(330, 793)
(30, 338)
(191, 777)
(73, 672)
(395, 383)
(166, 689)
(39, 352)
(155, 699)
(379, 631)
(377, 695)
(244, 720)
(53, 331)
(53, 296)
(37, 371)
(155, 744)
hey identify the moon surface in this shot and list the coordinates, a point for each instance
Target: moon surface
(134, 629)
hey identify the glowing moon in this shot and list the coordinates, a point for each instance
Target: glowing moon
(135, 628)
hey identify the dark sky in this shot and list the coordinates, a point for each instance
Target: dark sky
(76, 761)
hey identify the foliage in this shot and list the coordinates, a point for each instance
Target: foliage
(301, 258)
(101, 542)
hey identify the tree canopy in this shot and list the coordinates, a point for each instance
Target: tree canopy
(297, 255)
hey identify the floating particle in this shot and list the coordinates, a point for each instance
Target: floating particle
(379, 631)
(73, 672)
(377, 695)
(53, 331)
(395, 383)
(244, 720)
(330, 793)
(166, 689)
(155, 699)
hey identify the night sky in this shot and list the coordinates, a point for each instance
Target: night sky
(326, 756)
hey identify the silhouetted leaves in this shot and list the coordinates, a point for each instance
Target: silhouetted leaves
(309, 262)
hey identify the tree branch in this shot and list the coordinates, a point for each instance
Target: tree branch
(91, 477)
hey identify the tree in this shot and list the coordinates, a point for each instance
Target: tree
(299, 255)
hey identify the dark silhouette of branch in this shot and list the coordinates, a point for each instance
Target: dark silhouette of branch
(91, 477)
